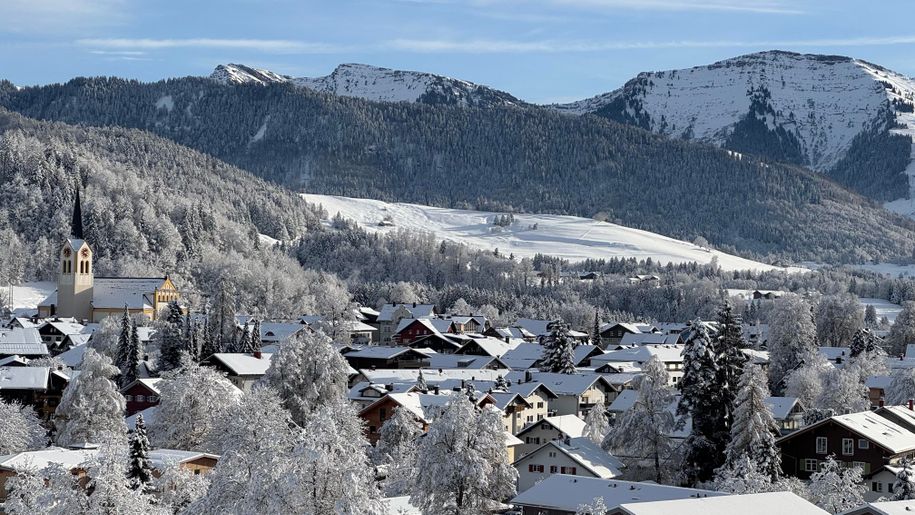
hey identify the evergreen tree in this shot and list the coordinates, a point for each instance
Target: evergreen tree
(92, 408)
(595, 329)
(864, 341)
(701, 400)
(421, 382)
(904, 487)
(172, 341)
(728, 347)
(836, 488)
(210, 344)
(140, 471)
(244, 341)
(131, 369)
(256, 342)
(870, 317)
(558, 350)
(753, 431)
(122, 356)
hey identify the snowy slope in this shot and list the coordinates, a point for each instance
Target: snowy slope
(823, 101)
(377, 84)
(27, 296)
(568, 237)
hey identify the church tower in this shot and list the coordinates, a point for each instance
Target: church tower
(75, 275)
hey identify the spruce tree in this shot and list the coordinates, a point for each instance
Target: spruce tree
(131, 367)
(595, 331)
(421, 382)
(754, 430)
(728, 347)
(256, 342)
(123, 349)
(904, 487)
(172, 341)
(864, 341)
(210, 343)
(558, 350)
(140, 473)
(701, 399)
(244, 341)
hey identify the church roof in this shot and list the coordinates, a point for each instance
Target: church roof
(117, 292)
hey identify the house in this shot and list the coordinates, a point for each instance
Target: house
(513, 407)
(243, 370)
(575, 393)
(54, 333)
(542, 328)
(880, 482)
(391, 314)
(386, 357)
(876, 389)
(865, 439)
(14, 361)
(767, 294)
(423, 406)
(528, 355)
(630, 340)
(70, 459)
(359, 333)
(468, 324)
(561, 494)
(788, 413)
(82, 295)
(21, 342)
(275, 333)
(537, 396)
(670, 355)
(197, 463)
(487, 346)
(39, 387)
(571, 456)
(444, 361)
(511, 334)
(141, 394)
(440, 343)
(612, 333)
(835, 355)
(410, 329)
(431, 376)
(365, 393)
(884, 508)
(537, 433)
(749, 504)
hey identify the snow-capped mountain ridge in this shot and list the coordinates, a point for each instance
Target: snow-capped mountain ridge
(377, 84)
(812, 106)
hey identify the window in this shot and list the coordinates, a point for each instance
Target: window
(128, 398)
(152, 398)
(572, 470)
(371, 429)
(863, 444)
(552, 469)
(530, 418)
(539, 405)
(562, 470)
(821, 445)
(552, 454)
(196, 472)
(848, 446)
(876, 486)
(534, 468)
(140, 398)
(865, 467)
(381, 413)
(810, 465)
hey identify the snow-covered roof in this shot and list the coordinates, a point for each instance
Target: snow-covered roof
(379, 352)
(649, 338)
(357, 392)
(514, 333)
(160, 459)
(24, 378)
(881, 431)
(151, 384)
(624, 401)
(20, 336)
(563, 384)
(397, 375)
(279, 331)
(562, 492)
(80, 339)
(463, 361)
(528, 389)
(64, 327)
(73, 357)
(780, 406)
(37, 460)
(244, 364)
(834, 353)
(416, 311)
(882, 382)
(493, 346)
(749, 504)
(503, 399)
(117, 292)
(534, 326)
(884, 508)
(759, 357)
(14, 361)
(589, 455)
(424, 406)
(641, 354)
(569, 425)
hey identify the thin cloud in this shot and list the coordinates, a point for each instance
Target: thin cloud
(685, 5)
(280, 46)
(31, 16)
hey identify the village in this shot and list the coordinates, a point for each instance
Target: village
(627, 418)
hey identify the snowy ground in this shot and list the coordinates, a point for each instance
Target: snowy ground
(884, 308)
(27, 295)
(569, 237)
(889, 269)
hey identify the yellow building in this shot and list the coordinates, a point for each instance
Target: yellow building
(82, 295)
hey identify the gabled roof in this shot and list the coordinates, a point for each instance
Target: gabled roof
(528, 389)
(780, 407)
(24, 378)
(416, 311)
(569, 425)
(37, 460)
(117, 292)
(64, 327)
(20, 336)
(465, 361)
(243, 364)
(641, 354)
(649, 339)
(423, 406)
(380, 352)
(565, 493)
(749, 504)
(491, 346)
(160, 459)
(584, 452)
(884, 508)
(890, 436)
(14, 361)
(150, 383)
(149, 415)
(357, 392)
(431, 376)
(564, 384)
(504, 399)
(73, 357)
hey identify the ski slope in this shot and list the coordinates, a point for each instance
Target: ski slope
(26, 296)
(568, 237)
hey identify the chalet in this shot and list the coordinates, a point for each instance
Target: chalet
(788, 413)
(71, 459)
(576, 394)
(444, 361)
(39, 387)
(670, 355)
(876, 389)
(440, 343)
(542, 328)
(22, 342)
(866, 439)
(386, 357)
(141, 394)
(538, 396)
(612, 333)
(197, 463)
(747, 504)
(560, 494)
(55, 331)
(391, 314)
(629, 340)
(243, 370)
(365, 393)
(410, 329)
(422, 406)
(652, 280)
(275, 333)
(513, 407)
(883, 507)
(548, 429)
(511, 334)
(487, 346)
(14, 361)
(468, 324)
(571, 456)
(22, 322)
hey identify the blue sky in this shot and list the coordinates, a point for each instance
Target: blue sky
(539, 50)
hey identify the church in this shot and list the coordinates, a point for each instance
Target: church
(85, 297)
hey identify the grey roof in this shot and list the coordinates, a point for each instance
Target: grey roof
(117, 292)
(563, 384)
(416, 311)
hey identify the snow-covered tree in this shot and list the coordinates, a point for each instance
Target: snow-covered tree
(421, 382)
(701, 400)
(129, 352)
(836, 488)
(52, 491)
(596, 507)
(864, 341)
(728, 347)
(902, 331)
(742, 476)
(838, 318)
(191, 400)
(901, 388)
(597, 425)
(396, 450)
(171, 337)
(20, 428)
(806, 382)
(244, 341)
(92, 408)
(904, 487)
(754, 429)
(792, 335)
(843, 392)
(558, 350)
(210, 343)
(178, 487)
(122, 355)
(140, 472)
(110, 491)
(870, 317)
(461, 464)
(867, 355)
(643, 432)
(256, 342)
(501, 383)
(308, 372)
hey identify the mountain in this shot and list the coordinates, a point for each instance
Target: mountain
(568, 237)
(377, 84)
(845, 117)
(499, 159)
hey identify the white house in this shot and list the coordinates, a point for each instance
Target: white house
(573, 456)
(576, 394)
(548, 429)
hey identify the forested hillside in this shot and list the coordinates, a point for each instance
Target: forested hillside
(499, 159)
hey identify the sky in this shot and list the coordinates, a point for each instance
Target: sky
(539, 50)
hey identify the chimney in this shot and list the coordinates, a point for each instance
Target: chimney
(911, 405)
(528, 376)
(389, 387)
(257, 354)
(435, 389)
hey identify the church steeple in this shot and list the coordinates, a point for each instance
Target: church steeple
(76, 226)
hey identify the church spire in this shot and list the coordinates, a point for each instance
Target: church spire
(76, 227)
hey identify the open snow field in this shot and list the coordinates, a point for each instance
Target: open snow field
(568, 237)
(27, 295)
(884, 308)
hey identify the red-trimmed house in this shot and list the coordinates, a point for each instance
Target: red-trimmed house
(141, 394)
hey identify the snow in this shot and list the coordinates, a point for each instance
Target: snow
(884, 308)
(244, 364)
(160, 459)
(267, 240)
(891, 507)
(889, 269)
(780, 407)
(37, 460)
(883, 432)
(590, 456)
(24, 378)
(750, 504)
(568, 237)
(259, 135)
(569, 425)
(26, 296)
(165, 102)
(561, 384)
